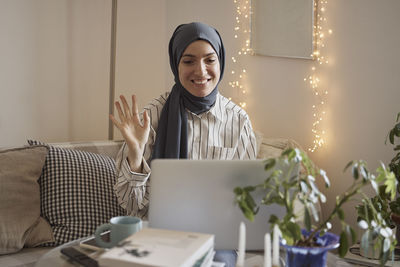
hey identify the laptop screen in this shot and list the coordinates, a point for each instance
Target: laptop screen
(197, 196)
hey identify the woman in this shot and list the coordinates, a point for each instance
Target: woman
(192, 121)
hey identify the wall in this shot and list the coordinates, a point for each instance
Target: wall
(364, 86)
(362, 79)
(88, 39)
(54, 70)
(32, 88)
(141, 51)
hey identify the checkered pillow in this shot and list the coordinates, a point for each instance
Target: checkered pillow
(76, 192)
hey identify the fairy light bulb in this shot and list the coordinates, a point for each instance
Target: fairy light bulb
(241, 34)
(318, 108)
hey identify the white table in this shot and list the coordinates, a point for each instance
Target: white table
(54, 258)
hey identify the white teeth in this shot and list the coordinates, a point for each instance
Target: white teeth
(200, 81)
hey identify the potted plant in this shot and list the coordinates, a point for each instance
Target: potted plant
(285, 185)
(374, 216)
(394, 166)
(383, 204)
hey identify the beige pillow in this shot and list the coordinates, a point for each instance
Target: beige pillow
(20, 221)
(273, 147)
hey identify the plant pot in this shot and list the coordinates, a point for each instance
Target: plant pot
(371, 252)
(311, 256)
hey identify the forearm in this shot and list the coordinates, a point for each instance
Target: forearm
(131, 187)
(135, 162)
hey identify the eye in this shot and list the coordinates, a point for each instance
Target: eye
(187, 61)
(211, 60)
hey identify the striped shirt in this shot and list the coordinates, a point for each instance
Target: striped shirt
(224, 133)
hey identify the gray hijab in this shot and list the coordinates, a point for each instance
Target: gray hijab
(171, 138)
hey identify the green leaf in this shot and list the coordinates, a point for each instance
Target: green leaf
(391, 183)
(364, 173)
(247, 212)
(269, 163)
(294, 230)
(391, 136)
(238, 190)
(354, 171)
(340, 214)
(287, 235)
(360, 212)
(275, 175)
(273, 219)
(287, 218)
(352, 233)
(274, 199)
(249, 188)
(348, 165)
(307, 219)
(251, 203)
(247, 205)
(287, 152)
(249, 215)
(397, 130)
(344, 245)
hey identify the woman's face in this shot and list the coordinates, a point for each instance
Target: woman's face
(199, 69)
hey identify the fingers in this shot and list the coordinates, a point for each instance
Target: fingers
(146, 120)
(125, 113)
(116, 123)
(126, 107)
(120, 113)
(135, 111)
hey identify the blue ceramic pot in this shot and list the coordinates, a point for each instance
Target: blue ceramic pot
(311, 256)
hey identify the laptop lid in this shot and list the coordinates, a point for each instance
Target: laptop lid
(197, 195)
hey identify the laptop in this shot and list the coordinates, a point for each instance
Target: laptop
(197, 196)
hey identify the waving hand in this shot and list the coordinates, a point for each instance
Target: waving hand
(133, 130)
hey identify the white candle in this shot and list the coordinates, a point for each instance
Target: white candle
(275, 247)
(242, 245)
(267, 250)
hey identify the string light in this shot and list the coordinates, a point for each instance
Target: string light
(319, 106)
(242, 34)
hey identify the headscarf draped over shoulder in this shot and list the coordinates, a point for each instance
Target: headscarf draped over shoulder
(171, 137)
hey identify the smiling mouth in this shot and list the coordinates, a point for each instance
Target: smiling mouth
(201, 82)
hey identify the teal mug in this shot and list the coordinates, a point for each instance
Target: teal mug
(120, 228)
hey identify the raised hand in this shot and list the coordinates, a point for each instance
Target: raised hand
(133, 130)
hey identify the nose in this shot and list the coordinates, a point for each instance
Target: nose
(201, 69)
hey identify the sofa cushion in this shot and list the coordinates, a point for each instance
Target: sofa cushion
(107, 147)
(77, 192)
(20, 221)
(273, 147)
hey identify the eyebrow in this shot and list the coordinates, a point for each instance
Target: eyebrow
(206, 55)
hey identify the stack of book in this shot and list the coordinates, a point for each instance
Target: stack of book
(159, 247)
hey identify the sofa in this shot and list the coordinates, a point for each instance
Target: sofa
(54, 193)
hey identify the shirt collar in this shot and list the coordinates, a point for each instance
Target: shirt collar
(216, 109)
